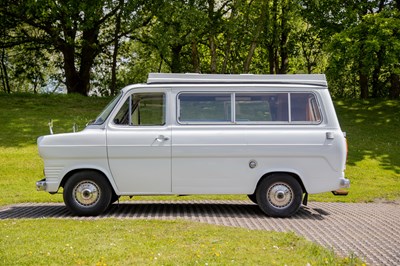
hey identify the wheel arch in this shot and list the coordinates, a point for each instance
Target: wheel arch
(74, 171)
(292, 174)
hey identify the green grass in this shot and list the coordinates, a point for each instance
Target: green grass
(151, 242)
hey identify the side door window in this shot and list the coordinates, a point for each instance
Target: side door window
(142, 109)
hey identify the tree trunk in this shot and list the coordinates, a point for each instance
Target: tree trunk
(195, 58)
(78, 82)
(376, 89)
(271, 59)
(89, 53)
(71, 75)
(213, 51)
(176, 58)
(211, 37)
(226, 57)
(272, 49)
(6, 83)
(247, 62)
(363, 82)
(253, 45)
(283, 40)
(394, 92)
(113, 85)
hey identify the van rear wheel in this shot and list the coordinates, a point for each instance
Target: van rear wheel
(279, 195)
(87, 193)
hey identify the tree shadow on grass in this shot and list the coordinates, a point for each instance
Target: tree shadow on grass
(373, 128)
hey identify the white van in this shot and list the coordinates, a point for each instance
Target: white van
(275, 138)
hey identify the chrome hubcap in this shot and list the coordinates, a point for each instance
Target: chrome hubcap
(280, 195)
(86, 193)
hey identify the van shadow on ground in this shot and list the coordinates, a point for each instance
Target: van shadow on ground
(193, 211)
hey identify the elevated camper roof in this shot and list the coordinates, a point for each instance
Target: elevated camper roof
(193, 78)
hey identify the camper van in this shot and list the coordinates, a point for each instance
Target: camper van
(275, 138)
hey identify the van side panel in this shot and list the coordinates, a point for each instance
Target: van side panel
(305, 152)
(214, 159)
(209, 160)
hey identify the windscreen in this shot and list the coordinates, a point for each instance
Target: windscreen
(106, 111)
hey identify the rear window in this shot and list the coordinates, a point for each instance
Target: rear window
(304, 108)
(245, 108)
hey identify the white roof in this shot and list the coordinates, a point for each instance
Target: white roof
(190, 78)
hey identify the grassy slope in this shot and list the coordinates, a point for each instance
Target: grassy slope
(23, 118)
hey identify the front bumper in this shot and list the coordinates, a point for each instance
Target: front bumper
(41, 185)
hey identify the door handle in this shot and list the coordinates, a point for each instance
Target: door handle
(161, 138)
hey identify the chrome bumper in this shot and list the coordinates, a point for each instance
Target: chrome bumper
(41, 185)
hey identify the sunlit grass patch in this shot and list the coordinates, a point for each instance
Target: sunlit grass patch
(144, 242)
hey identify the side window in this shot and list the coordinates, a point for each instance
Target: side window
(261, 107)
(249, 107)
(142, 109)
(304, 108)
(204, 107)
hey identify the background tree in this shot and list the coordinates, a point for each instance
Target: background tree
(78, 30)
(363, 39)
(98, 46)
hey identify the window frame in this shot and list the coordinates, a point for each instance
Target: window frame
(178, 109)
(315, 97)
(129, 98)
(233, 120)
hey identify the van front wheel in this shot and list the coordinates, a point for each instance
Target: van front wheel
(87, 193)
(279, 195)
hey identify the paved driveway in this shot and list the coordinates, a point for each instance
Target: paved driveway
(370, 231)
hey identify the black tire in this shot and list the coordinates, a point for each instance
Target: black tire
(114, 198)
(279, 195)
(253, 198)
(87, 193)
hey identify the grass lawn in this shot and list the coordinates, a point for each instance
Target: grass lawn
(151, 242)
(373, 166)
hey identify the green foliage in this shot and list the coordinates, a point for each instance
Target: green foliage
(371, 46)
(103, 45)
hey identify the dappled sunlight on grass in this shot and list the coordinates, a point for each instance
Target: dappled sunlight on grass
(372, 131)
